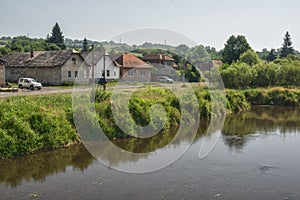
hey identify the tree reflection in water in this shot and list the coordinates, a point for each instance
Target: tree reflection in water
(37, 167)
(238, 127)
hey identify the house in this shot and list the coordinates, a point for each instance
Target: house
(2, 72)
(163, 65)
(104, 66)
(47, 67)
(217, 63)
(159, 59)
(207, 66)
(132, 68)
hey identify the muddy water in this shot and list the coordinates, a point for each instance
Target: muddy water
(256, 157)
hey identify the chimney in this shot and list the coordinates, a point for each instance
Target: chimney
(31, 53)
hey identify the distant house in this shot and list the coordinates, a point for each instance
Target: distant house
(47, 67)
(162, 65)
(207, 66)
(160, 59)
(217, 63)
(132, 68)
(2, 72)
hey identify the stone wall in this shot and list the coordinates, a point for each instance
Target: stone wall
(45, 75)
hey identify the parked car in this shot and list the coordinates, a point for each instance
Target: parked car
(165, 79)
(29, 83)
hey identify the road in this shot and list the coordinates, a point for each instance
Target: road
(55, 90)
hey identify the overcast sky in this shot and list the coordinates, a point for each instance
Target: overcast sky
(209, 22)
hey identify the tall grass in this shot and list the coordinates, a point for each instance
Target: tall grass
(30, 124)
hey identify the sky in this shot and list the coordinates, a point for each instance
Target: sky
(210, 22)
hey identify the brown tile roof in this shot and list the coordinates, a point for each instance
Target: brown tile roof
(130, 61)
(40, 58)
(157, 57)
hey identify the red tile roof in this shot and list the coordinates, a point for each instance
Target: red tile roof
(130, 61)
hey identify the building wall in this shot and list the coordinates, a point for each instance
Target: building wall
(74, 66)
(2, 75)
(45, 75)
(136, 74)
(114, 71)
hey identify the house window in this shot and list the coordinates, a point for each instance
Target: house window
(143, 74)
(76, 74)
(84, 74)
(69, 74)
(115, 74)
(107, 73)
(74, 60)
(130, 73)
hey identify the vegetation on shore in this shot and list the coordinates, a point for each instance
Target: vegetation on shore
(31, 124)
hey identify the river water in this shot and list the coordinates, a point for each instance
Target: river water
(256, 157)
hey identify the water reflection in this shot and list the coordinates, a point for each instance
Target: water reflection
(262, 120)
(238, 130)
(37, 167)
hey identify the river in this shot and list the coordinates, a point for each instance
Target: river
(256, 157)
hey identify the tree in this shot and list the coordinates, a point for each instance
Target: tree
(238, 75)
(52, 46)
(182, 48)
(272, 55)
(192, 74)
(249, 57)
(85, 45)
(234, 47)
(287, 47)
(57, 37)
(4, 51)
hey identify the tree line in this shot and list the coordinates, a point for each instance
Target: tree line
(244, 69)
(55, 41)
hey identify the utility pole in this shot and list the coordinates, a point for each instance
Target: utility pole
(93, 67)
(104, 85)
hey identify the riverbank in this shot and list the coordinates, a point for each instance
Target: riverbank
(36, 123)
(31, 124)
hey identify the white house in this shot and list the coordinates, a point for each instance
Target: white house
(108, 67)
